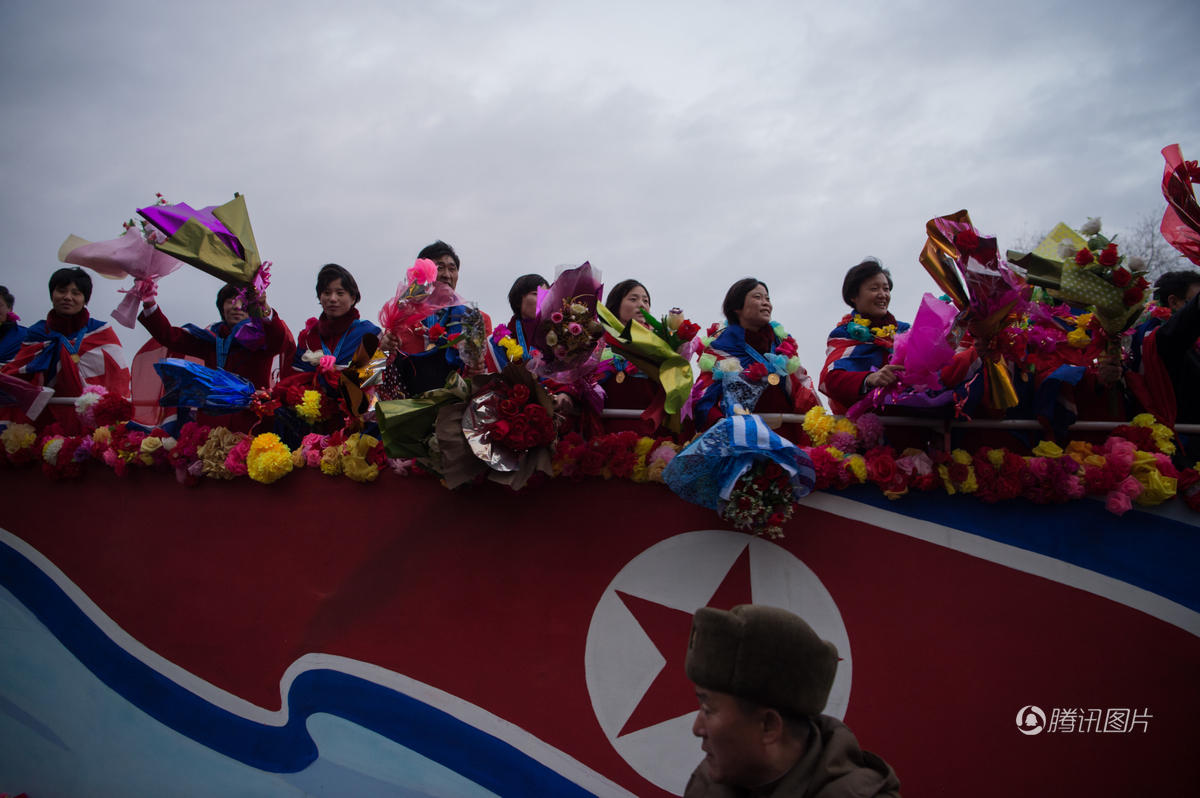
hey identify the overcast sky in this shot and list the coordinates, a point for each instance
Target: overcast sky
(686, 144)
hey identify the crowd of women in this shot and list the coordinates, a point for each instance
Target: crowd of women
(746, 364)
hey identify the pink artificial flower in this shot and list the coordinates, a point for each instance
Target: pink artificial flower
(1130, 487)
(870, 430)
(1117, 502)
(574, 328)
(556, 317)
(421, 272)
(843, 441)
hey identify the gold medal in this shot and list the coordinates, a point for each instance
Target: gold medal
(75, 358)
(620, 377)
(772, 379)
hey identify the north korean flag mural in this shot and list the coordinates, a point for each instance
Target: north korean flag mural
(321, 637)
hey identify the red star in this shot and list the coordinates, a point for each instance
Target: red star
(671, 694)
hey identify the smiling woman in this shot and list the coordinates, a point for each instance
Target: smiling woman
(752, 363)
(338, 331)
(860, 346)
(69, 350)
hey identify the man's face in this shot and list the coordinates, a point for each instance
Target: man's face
(447, 271)
(731, 739)
(1175, 303)
(232, 311)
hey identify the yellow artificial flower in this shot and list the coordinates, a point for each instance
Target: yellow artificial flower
(21, 436)
(969, 485)
(1048, 449)
(944, 473)
(1079, 338)
(1143, 420)
(641, 451)
(996, 457)
(331, 461)
(858, 466)
(961, 456)
(309, 408)
(817, 424)
(843, 424)
(269, 458)
(1156, 488)
(1163, 438)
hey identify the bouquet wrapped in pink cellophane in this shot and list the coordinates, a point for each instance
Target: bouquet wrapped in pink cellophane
(133, 255)
(418, 296)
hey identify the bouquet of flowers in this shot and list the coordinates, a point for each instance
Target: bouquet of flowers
(511, 415)
(133, 255)
(968, 268)
(418, 296)
(710, 469)
(217, 240)
(1086, 268)
(761, 501)
(660, 348)
(568, 332)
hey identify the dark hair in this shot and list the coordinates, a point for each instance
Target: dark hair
(7, 296)
(618, 293)
(522, 286)
(735, 297)
(330, 272)
(860, 274)
(72, 274)
(437, 249)
(1174, 283)
(227, 292)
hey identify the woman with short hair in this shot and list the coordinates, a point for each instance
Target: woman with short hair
(752, 362)
(69, 350)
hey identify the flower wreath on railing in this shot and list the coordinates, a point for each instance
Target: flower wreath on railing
(1132, 466)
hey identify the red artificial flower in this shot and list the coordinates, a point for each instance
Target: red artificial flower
(776, 519)
(509, 408)
(1083, 257)
(773, 471)
(436, 332)
(687, 330)
(520, 393)
(1132, 295)
(112, 409)
(1121, 276)
(787, 347)
(756, 372)
(1108, 256)
(713, 329)
(881, 470)
(966, 240)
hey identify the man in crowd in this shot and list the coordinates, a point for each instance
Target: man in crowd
(763, 676)
(411, 373)
(1165, 370)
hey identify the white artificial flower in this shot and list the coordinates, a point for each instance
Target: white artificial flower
(1066, 250)
(1091, 226)
(1135, 264)
(729, 365)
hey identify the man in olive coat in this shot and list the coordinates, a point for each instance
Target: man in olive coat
(763, 676)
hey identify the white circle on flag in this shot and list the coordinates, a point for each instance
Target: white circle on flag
(682, 573)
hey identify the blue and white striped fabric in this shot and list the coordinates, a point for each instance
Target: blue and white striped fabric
(706, 470)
